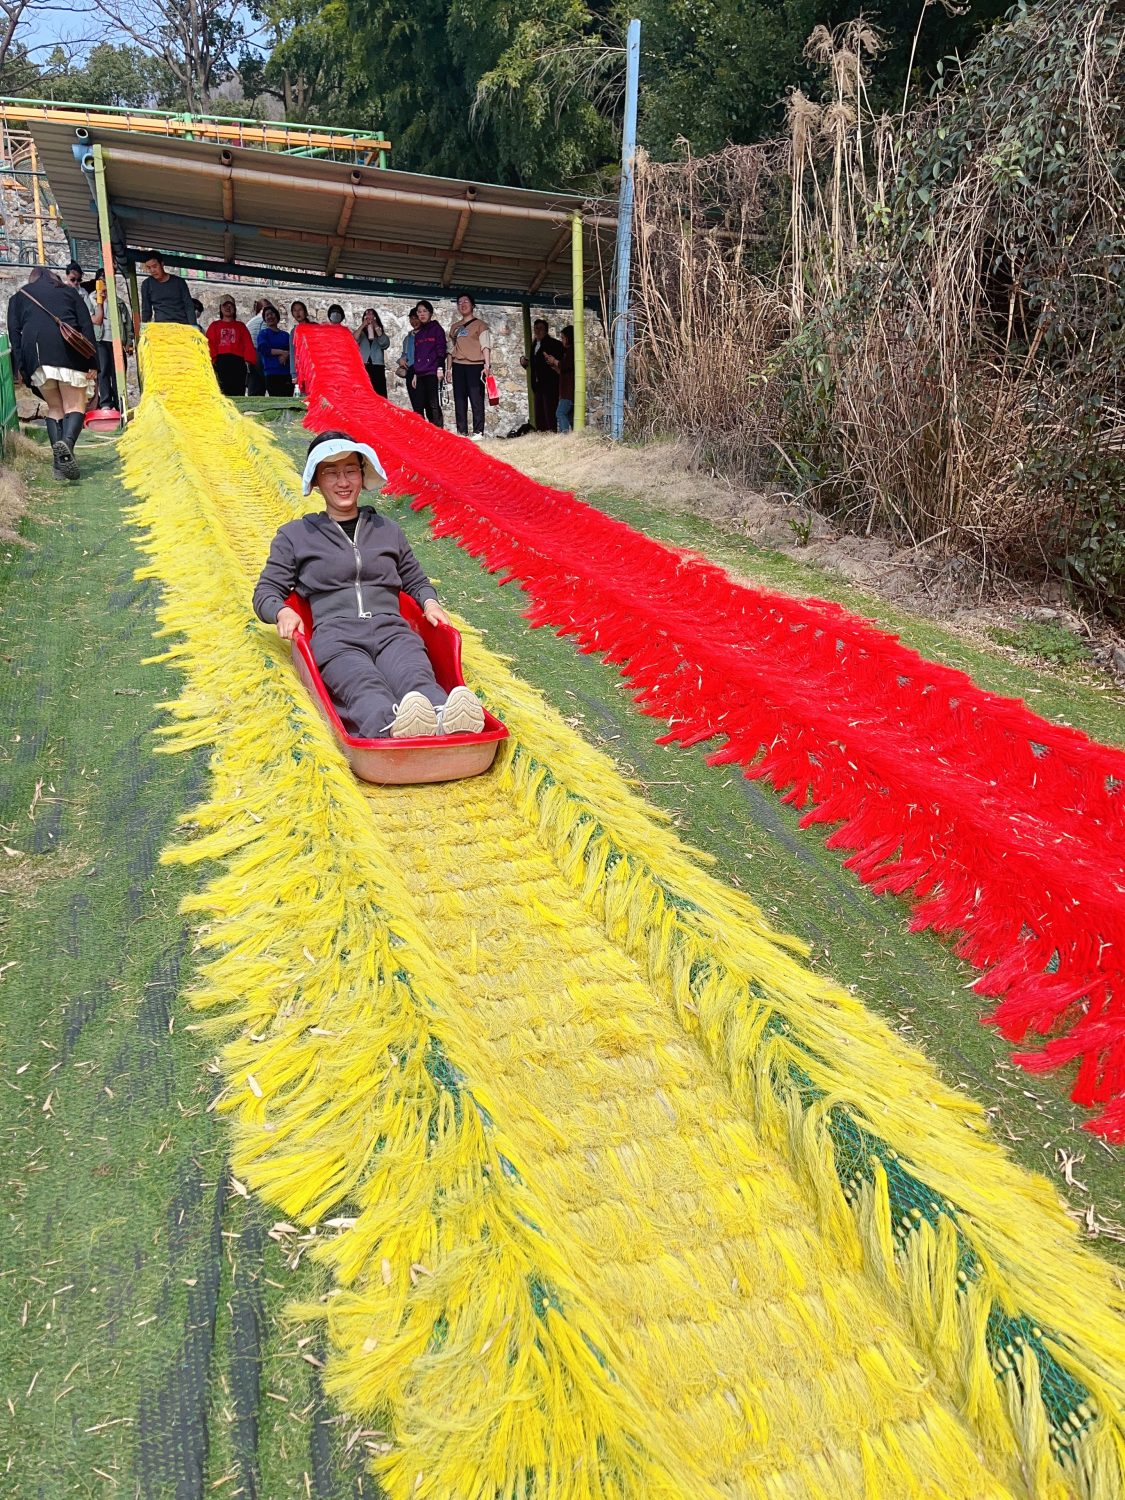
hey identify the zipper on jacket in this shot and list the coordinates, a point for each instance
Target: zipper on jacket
(353, 543)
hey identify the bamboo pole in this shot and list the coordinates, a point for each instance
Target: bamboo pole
(110, 280)
(35, 200)
(578, 273)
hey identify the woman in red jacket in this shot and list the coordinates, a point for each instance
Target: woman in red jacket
(232, 349)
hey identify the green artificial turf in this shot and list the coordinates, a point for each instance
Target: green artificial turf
(144, 1346)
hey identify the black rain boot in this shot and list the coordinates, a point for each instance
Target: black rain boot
(55, 438)
(72, 425)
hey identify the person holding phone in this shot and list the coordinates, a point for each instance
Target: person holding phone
(563, 366)
(373, 344)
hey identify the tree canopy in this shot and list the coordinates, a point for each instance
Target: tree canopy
(527, 91)
(514, 91)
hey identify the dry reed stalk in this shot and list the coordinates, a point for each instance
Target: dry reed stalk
(926, 405)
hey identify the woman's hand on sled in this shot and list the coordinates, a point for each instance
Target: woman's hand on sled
(289, 623)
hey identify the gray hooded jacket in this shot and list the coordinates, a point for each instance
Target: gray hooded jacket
(342, 579)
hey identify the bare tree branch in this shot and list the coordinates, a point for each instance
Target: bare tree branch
(194, 39)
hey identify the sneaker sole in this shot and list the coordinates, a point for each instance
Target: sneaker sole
(462, 714)
(416, 720)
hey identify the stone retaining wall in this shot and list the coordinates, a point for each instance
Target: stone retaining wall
(505, 323)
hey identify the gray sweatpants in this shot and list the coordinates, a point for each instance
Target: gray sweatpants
(369, 666)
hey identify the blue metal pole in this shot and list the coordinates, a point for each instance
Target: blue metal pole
(625, 231)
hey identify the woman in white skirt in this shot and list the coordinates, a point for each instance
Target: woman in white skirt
(44, 360)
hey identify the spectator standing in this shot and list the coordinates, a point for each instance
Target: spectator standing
(470, 357)
(44, 360)
(429, 362)
(108, 395)
(299, 313)
(544, 380)
(563, 367)
(273, 353)
(255, 380)
(373, 344)
(336, 313)
(165, 298)
(232, 349)
(406, 362)
(102, 341)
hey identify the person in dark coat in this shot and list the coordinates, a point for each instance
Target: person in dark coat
(429, 362)
(351, 563)
(564, 369)
(44, 360)
(544, 379)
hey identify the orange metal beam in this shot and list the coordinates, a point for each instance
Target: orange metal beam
(198, 127)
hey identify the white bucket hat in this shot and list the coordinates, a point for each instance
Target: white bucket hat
(374, 475)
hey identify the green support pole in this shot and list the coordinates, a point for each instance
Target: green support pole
(110, 280)
(135, 302)
(578, 273)
(527, 356)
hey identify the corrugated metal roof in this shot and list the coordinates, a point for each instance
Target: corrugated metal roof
(251, 211)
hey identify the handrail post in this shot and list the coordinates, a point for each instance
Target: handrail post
(625, 230)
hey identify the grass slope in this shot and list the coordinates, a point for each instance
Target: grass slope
(143, 1344)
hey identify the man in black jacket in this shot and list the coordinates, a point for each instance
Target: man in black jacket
(165, 298)
(544, 378)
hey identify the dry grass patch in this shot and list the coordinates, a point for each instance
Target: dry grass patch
(22, 457)
(670, 474)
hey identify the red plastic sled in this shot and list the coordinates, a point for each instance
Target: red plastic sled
(446, 757)
(103, 419)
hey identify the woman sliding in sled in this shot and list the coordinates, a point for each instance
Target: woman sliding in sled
(350, 563)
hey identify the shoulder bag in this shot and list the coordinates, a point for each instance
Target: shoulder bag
(74, 336)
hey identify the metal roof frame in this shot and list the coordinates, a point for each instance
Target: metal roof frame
(247, 212)
(495, 297)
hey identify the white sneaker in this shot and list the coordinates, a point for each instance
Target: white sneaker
(477, 437)
(415, 717)
(462, 713)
